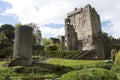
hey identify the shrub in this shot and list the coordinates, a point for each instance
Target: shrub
(50, 48)
(117, 58)
(116, 68)
(90, 74)
(64, 54)
(38, 50)
(106, 65)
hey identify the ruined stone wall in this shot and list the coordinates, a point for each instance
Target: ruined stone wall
(23, 46)
(61, 38)
(85, 22)
(54, 41)
(71, 37)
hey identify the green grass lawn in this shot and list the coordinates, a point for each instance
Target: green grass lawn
(9, 72)
(90, 74)
(57, 65)
(75, 63)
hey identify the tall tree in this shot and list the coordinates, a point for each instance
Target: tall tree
(8, 30)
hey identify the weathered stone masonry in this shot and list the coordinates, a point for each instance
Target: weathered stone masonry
(22, 55)
(83, 30)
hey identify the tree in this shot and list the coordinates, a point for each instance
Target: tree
(61, 46)
(8, 30)
(18, 24)
(37, 37)
(109, 45)
(6, 47)
(45, 41)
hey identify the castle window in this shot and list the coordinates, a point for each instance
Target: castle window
(68, 35)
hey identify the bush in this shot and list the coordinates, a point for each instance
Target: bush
(116, 68)
(38, 50)
(90, 74)
(117, 59)
(50, 48)
(106, 65)
(6, 52)
(64, 54)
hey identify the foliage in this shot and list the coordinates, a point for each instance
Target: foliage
(61, 46)
(6, 52)
(37, 37)
(45, 41)
(106, 65)
(64, 54)
(116, 68)
(8, 30)
(41, 70)
(117, 58)
(51, 48)
(6, 47)
(76, 64)
(90, 74)
(17, 25)
(109, 44)
(38, 50)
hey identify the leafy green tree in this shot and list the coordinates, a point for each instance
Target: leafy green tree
(109, 45)
(61, 46)
(6, 47)
(9, 31)
(45, 41)
(18, 24)
(49, 49)
(117, 58)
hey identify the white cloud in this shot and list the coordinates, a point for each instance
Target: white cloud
(52, 32)
(0, 24)
(54, 11)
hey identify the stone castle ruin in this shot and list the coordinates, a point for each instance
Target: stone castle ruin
(22, 55)
(83, 31)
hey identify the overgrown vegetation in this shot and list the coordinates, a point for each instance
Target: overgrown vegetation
(90, 74)
(80, 64)
(59, 65)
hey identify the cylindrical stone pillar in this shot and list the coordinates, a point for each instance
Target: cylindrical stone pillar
(23, 46)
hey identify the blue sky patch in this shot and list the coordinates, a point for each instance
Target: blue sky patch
(106, 23)
(4, 5)
(8, 19)
(54, 25)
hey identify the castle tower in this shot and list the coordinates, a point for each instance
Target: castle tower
(22, 55)
(85, 30)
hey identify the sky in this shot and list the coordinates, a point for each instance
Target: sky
(49, 15)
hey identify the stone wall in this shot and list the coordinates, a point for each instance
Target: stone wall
(22, 55)
(82, 25)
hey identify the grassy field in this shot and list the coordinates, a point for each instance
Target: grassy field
(75, 63)
(90, 74)
(19, 72)
(50, 68)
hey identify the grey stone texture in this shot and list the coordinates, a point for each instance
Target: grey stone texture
(83, 30)
(60, 39)
(22, 55)
(54, 41)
